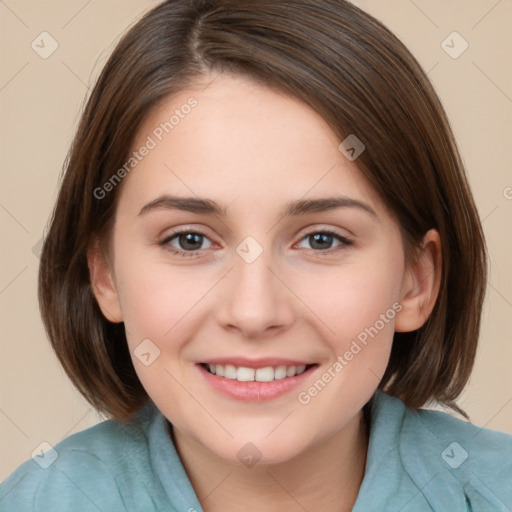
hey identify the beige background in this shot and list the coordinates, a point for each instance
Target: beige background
(40, 101)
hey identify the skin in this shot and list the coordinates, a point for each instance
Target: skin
(253, 149)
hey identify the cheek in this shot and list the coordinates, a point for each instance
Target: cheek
(357, 309)
(343, 303)
(353, 299)
(155, 298)
(357, 306)
(158, 305)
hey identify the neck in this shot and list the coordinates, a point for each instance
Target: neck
(327, 476)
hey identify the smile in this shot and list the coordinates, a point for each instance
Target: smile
(245, 374)
(250, 381)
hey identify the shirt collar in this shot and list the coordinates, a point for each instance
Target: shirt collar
(404, 465)
(168, 465)
(398, 468)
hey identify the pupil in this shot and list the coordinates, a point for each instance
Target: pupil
(189, 239)
(320, 238)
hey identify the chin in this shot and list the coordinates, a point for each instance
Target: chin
(254, 449)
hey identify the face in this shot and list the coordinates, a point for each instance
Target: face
(258, 273)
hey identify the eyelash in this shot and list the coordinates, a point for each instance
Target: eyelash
(345, 242)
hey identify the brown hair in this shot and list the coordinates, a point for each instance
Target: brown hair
(359, 77)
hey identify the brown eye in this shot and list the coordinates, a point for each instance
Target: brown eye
(185, 243)
(323, 240)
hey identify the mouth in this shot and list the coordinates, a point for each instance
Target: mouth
(255, 382)
(262, 374)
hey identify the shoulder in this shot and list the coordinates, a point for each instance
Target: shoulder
(86, 471)
(463, 445)
(446, 455)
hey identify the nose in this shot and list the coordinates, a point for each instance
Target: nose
(255, 298)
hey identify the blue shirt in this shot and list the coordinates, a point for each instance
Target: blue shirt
(418, 461)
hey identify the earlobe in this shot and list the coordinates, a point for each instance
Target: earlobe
(102, 283)
(421, 285)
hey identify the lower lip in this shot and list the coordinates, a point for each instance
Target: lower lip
(255, 391)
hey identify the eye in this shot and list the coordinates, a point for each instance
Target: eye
(189, 242)
(321, 241)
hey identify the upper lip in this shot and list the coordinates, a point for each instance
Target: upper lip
(256, 363)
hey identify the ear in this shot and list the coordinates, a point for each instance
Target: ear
(102, 282)
(421, 285)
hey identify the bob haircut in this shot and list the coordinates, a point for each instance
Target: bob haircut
(362, 80)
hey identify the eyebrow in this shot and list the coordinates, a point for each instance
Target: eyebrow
(292, 208)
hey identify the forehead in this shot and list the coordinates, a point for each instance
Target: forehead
(229, 137)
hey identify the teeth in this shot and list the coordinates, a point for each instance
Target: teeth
(290, 371)
(245, 374)
(267, 374)
(280, 372)
(230, 372)
(264, 374)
